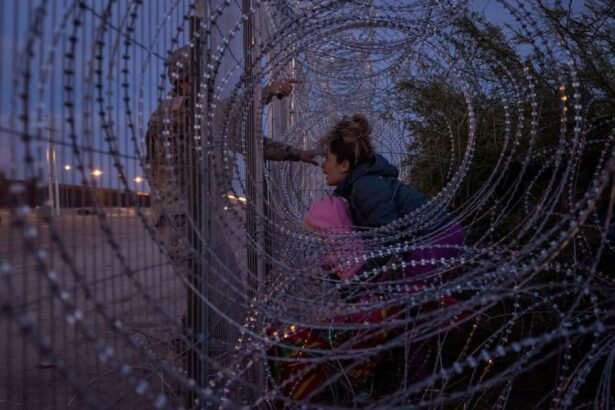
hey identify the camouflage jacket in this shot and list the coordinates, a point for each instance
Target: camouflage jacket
(169, 155)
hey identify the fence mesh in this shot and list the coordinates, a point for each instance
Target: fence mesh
(155, 174)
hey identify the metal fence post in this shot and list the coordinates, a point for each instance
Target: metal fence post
(255, 174)
(199, 232)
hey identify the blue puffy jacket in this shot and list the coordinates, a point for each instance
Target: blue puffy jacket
(376, 197)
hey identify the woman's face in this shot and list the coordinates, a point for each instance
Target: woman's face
(334, 171)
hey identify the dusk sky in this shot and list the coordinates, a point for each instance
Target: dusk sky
(153, 30)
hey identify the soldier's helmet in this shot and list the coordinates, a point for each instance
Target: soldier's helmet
(179, 64)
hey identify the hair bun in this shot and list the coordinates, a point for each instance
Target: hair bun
(361, 125)
(350, 139)
(354, 129)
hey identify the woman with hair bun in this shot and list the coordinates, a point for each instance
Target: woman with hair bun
(377, 197)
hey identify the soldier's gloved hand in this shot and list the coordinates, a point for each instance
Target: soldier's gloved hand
(283, 87)
(309, 156)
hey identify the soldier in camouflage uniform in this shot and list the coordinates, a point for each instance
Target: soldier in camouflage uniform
(172, 157)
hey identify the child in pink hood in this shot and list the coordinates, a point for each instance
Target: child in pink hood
(331, 215)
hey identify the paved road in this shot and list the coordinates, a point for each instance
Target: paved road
(112, 269)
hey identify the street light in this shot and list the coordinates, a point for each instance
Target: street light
(53, 184)
(138, 181)
(235, 198)
(97, 173)
(67, 167)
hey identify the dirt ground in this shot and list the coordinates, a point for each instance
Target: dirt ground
(114, 274)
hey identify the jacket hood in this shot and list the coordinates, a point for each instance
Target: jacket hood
(332, 215)
(376, 166)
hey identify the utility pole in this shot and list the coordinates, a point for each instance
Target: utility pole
(52, 180)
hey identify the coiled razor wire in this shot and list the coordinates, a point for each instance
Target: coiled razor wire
(505, 119)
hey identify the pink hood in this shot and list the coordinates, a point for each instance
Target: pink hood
(332, 215)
